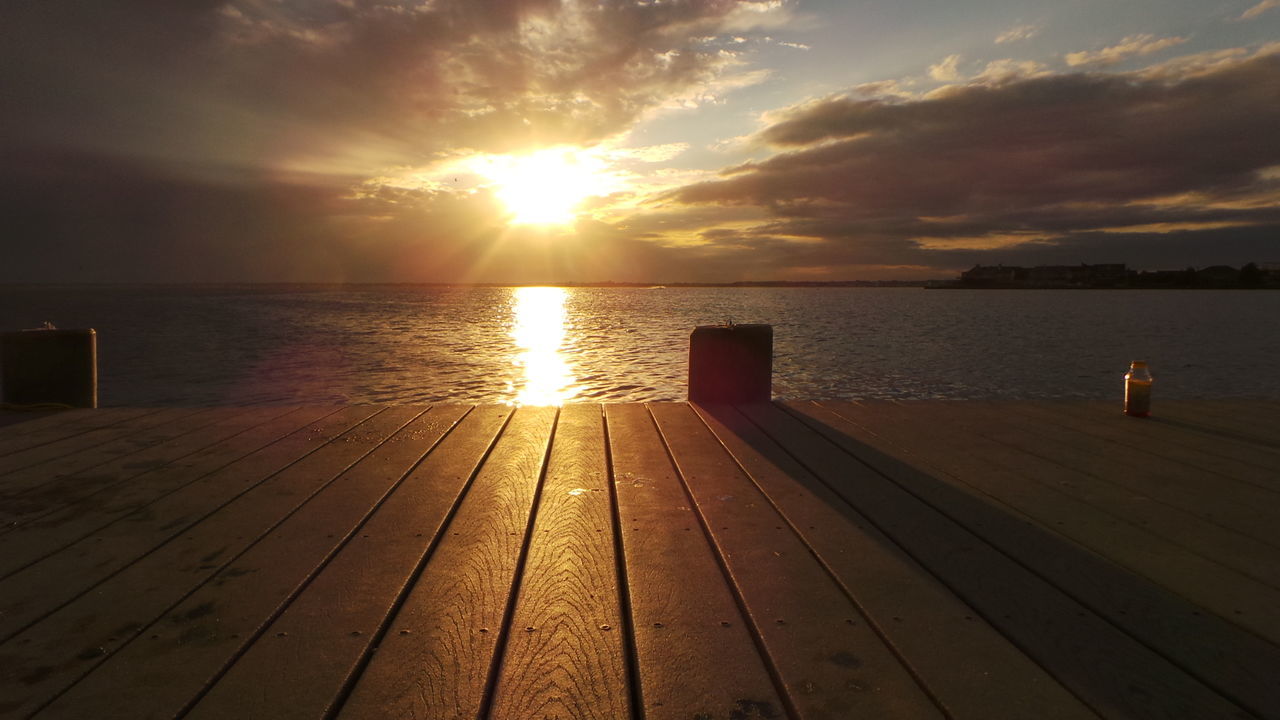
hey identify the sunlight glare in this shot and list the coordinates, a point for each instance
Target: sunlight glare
(546, 187)
(539, 331)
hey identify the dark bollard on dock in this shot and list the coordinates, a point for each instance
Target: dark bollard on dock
(731, 363)
(50, 366)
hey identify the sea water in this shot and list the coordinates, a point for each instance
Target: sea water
(171, 345)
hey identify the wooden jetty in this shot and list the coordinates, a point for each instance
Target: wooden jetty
(778, 560)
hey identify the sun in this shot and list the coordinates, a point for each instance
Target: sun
(546, 187)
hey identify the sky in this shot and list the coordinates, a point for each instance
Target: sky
(545, 141)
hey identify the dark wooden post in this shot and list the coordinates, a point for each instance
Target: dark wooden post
(50, 366)
(731, 363)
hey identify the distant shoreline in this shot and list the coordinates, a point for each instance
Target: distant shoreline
(328, 286)
(323, 286)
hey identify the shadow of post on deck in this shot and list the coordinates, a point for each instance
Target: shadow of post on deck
(1118, 641)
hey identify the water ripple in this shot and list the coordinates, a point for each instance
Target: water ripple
(161, 346)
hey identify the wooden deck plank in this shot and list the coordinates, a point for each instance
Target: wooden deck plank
(972, 669)
(63, 641)
(21, 470)
(1255, 422)
(60, 577)
(829, 666)
(694, 652)
(1248, 443)
(1252, 421)
(61, 425)
(47, 534)
(997, 559)
(438, 660)
(1237, 507)
(573, 666)
(327, 576)
(963, 540)
(1241, 584)
(1134, 438)
(1193, 449)
(189, 435)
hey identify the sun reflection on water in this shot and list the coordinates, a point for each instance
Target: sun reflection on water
(539, 331)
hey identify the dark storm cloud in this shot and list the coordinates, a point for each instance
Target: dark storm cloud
(1042, 159)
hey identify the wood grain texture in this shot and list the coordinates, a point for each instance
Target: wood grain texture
(1032, 487)
(572, 667)
(1004, 556)
(963, 539)
(437, 657)
(69, 639)
(38, 589)
(830, 667)
(44, 535)
(974, 671)
(61, 425)
(22, 470)
(192, 434)
(1237, 663)
(694, 649)
(1239, 507)
(376, 518)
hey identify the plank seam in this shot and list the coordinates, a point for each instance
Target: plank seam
(1153, 498)
(844, 589)
(1105, 617)
(86, 449)
(142, 629)
(914, 558)
(757, 639)
(1245, 439)
(366, 656)
(1200, 464)
(513, 596)
(630, 653)
(1011, 509)
(135, 478)
(180, 531)
(324, 562)
(149, 411)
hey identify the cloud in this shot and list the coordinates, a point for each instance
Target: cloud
(85, 218)
(1038, 161)
(1018, 33)
(1131, 46)
(1258, 9)
(946, 69)
(1004, 70)
(349, 88)
(273, 139)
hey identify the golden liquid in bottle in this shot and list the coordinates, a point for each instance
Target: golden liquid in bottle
(1137, 397)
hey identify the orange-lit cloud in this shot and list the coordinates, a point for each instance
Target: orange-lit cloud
(1029, 165)
(339, 140)
(1132, 46)
(1260, 8)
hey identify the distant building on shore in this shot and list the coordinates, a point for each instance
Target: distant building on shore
(1117, 275)
(1056, 276)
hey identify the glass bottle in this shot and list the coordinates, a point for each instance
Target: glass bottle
(1137, 390)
